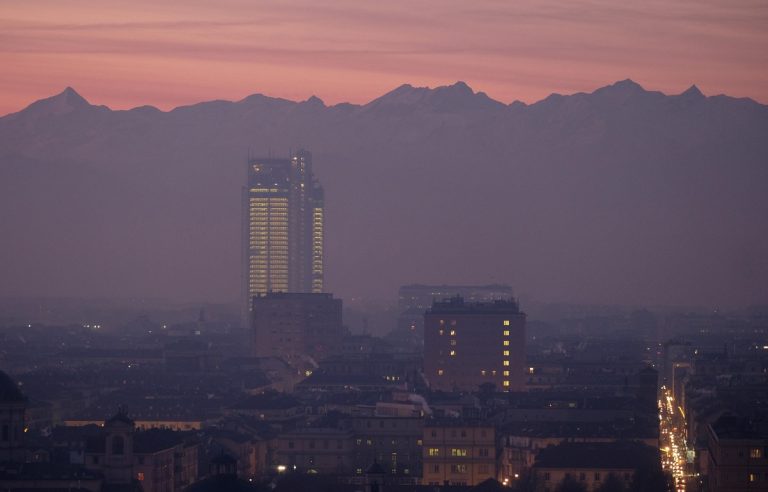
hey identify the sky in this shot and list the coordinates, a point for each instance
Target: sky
(130, 53)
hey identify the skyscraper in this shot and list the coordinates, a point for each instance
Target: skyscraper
(282, 227)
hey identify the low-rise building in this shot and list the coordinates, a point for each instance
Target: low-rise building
(738, 454)
(591, 463)
(458, 453)
(315, 450)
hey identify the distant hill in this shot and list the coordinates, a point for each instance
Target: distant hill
(618, 196)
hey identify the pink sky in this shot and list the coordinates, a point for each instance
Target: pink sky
(130, 53)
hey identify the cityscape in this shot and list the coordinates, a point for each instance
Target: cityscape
(430, 291)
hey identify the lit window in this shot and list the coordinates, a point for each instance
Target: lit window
(458, 452)
(752, 477)
(453, 333)
(506, 343)
(506, 353)
(506, 322)
(482, 372)
(434, 451)
(453, 342)
(506, 373)
(506, 383)
(453, 352)
(755, 453)
(506, 363)
(441, 332)
(140, 476)
(506, 333)
(439, 372)
(530, 370)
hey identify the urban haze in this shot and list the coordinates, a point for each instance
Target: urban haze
(410, 247)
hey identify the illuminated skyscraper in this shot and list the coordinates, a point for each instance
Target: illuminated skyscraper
(282, 227)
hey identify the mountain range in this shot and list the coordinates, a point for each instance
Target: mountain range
(622, 195)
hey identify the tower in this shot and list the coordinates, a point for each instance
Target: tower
(283, 228)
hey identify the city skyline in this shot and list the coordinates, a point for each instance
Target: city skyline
(332, 245)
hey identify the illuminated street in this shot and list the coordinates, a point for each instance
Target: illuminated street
(673, 447)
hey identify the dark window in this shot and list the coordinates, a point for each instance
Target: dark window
(118, 445)
(5, 432)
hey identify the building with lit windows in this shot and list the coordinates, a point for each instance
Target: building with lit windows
(414, 299)
(737, 452)
(458, 453)
(468, 344)
(282, 228)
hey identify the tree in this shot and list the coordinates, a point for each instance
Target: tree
(570, 485)
(612, 483)
(650, 478)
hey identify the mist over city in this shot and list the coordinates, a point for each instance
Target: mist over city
(414, 246)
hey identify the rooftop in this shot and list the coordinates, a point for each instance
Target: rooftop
(457, 305)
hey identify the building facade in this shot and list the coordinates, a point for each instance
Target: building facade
(12, 408)
(738, 454)
(415, 299)
(457, 453)
(283, 232)
(296, 326)
(467, 344)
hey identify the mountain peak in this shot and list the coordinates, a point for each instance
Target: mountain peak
(71, 97)
(67, 101)
(314, 101)
(453, 97)
(622, 88)
(692, 92)
(628, 85)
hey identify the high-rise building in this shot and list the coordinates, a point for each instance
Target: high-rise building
(467, 344)
(414, 299)
(282, 227)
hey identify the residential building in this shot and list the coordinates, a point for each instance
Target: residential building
(468, 344)
(592, 463)
(458, 453)
(315, 450)
(738, 454)
(415, 299)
